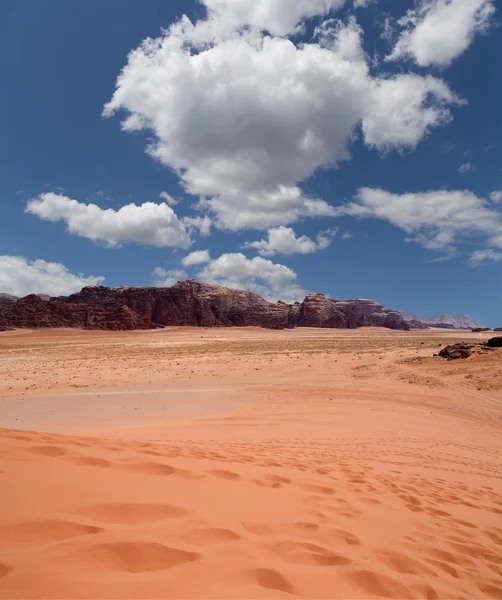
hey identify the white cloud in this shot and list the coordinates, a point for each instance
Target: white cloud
(362, 3)
(482, 256)
(283, 240)
(465, 167)
(270, 280)
(346, 236)
(168, 198)
(438, 31)
(167, 278)
(150, 224)
(263, 210)
(279, 17)
(496, 196)
(435, 219)
(21, 277)
(399, 115)
(198, 257)
(273, 113)
(202, 224)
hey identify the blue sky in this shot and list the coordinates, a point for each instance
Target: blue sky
(355, 152)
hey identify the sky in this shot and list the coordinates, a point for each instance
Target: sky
(347, 147)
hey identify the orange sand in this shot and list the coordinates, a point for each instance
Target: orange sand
(245, 463)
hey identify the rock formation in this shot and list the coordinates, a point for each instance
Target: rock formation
(191, 303)
(442, 320)
(464, 350)
(456, 351)
(6, 303)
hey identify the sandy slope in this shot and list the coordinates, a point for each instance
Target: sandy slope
(248, 464)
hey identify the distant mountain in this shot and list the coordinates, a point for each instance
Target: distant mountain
(460, 322)
(413, 317)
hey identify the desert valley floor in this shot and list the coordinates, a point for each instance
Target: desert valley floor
(247, 463)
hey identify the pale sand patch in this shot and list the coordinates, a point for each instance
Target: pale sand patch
(245, 463)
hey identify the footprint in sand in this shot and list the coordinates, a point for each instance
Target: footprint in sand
(45, 531)
(135, 557)
(309, 554)
(132, 514)
(370, 582)
(89, 461)
(401, 563)
(347, 537)
(157, 468)
(222, 474)
(5, 570)
(266, 530)
(51, 451)
(270, 579)
(272, 481)
(316, 489)
(209, 536)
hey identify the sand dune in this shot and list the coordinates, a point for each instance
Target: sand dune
(323, 464)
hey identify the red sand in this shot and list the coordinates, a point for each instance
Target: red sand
(248, 464)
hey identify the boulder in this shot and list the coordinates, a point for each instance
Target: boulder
(494, 342)
(455, 351)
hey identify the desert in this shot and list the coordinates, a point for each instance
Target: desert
(249, 463)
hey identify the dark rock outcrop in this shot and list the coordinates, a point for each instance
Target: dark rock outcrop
(318, 311)
(33, 311)
(192, 303)
(6, 303)
(464, 350)
(417, 324)
(480, 329)
(455, 351)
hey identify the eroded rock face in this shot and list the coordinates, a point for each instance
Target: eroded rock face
(192, 303)
(319, 311)
(456, 351)
(6, 303)
(32, 312)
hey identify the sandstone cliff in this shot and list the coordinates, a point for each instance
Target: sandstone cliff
(190, 303)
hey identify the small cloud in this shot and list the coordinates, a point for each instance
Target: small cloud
(167, 278)
(447, 148)
(168, 198)
(101, 195)
(496, 196)
(489, 147)
(346, 236)
(440, 259)
(283, 240)
(465, 167)
(467, 152)
(483, 256)
(199, 257)
(20, 276)
(149, 224)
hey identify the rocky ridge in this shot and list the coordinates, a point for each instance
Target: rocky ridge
(190, 303)
(442, 320)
